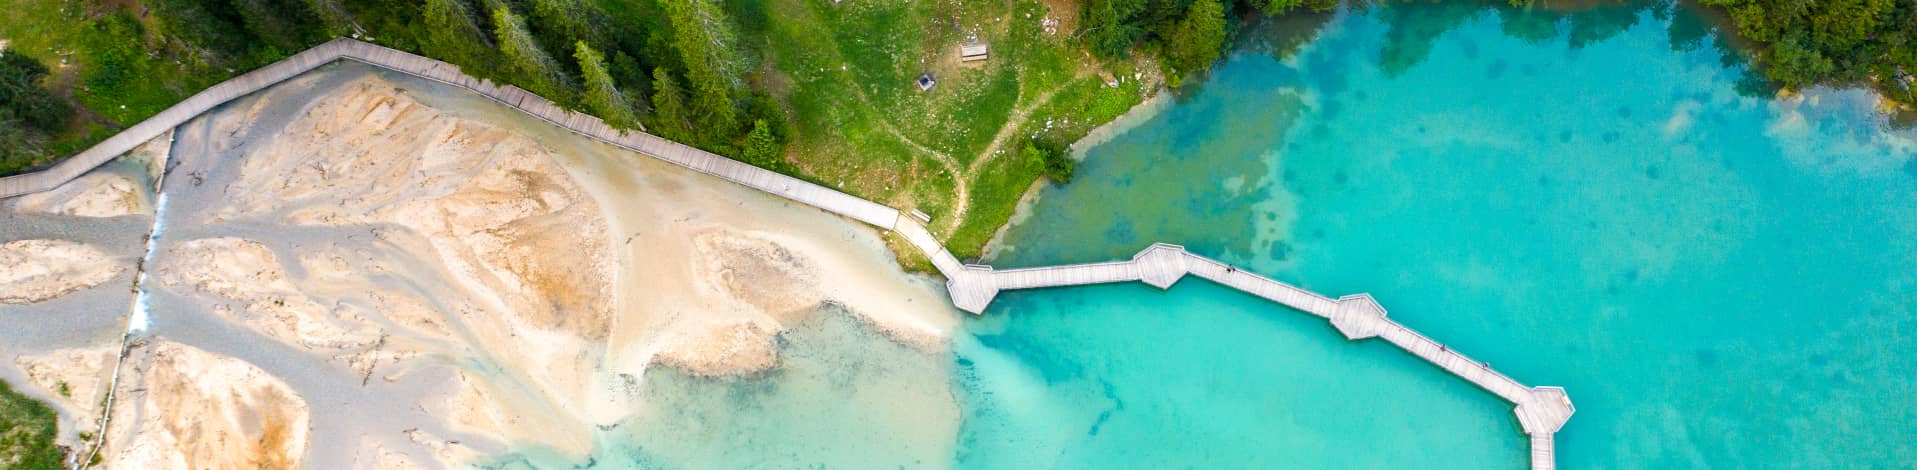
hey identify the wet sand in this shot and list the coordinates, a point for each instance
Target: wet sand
(72, 256)
(427, 278)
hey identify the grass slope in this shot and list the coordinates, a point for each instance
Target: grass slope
(27, 429)
(846, 71)
(843, 73)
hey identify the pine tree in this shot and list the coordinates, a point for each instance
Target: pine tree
(629, 75)
(762, 148)
(452, 35)
(570, 19)
(1197, 40)
(195, 22)
(713, 66)
(527, 61)
(273, 23)
(22, 97)
(331, 15)
(602, 97)
(1110, 27)
(668, 108)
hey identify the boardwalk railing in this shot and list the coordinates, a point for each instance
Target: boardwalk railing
(348, 49)
(1541, 411)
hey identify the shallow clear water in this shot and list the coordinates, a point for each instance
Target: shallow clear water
(1600, 200)
(843, 396)
(1719, 279)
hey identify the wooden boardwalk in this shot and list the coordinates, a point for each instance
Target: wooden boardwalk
(348, 49)
(1540, 411)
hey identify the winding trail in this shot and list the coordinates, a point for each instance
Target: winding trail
(961, 178)
(1014, 122)
(1540, 411)
(961, 186)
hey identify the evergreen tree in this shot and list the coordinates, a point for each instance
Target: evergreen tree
(20, 148)
(762, 148)
(573, 20)
(1196, 41)
(28, 112)
(453, 36)
(602, 97)
(1273, 7)
(1111, 26)
(1844, 41)
(22, 98)
(527, 61)
(201, 23)
(274, 23)
(706, 47)
(1050, 159)
(668, 108)
(330, 15)
(628, 75)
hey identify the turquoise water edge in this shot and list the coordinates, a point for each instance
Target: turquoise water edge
(1600, 200)
(1719, 280)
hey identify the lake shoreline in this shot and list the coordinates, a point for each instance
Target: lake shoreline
(1137, 115)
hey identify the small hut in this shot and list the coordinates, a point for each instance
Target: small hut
(973, 52)
(926, 82)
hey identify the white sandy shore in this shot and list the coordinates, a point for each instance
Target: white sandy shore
(386, 230)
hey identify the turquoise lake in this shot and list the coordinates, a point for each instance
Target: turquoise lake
(1598, 200)
(1602, 200)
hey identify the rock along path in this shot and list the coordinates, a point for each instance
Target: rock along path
(1541, 411)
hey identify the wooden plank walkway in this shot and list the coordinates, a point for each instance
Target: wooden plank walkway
(1543, 452)
(1541, 411)
(347, 49)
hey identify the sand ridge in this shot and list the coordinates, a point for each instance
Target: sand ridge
(382, 236)
(185, 408)
(38, 270)
(78, 378)
(96, 194)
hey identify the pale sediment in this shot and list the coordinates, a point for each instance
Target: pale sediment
(77, 380)
(97, 194)
(67, 258)
(186, 408)
(38, 270)
(356, 244)
(1139, 114)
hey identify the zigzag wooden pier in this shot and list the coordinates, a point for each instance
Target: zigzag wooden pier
(1540, 411)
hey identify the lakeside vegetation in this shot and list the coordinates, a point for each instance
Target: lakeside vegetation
(29, 114)
(821, 90)
(1802, 44)
(818, 89)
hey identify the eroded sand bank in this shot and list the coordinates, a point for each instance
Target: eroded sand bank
(193, 409)
(425, 278)
(67, 259)
(38, 270)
